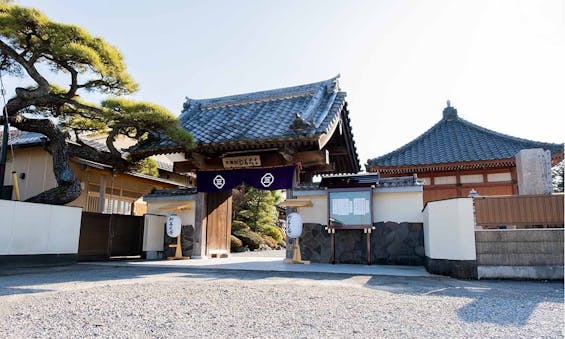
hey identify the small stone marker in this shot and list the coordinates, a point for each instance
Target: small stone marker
(533, 167)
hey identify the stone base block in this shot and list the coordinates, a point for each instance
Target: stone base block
(460, 269)
(187, 242)
(521, 272)
(36, 260)
(154, 255)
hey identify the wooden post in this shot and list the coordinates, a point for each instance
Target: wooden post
(178, 250)
(16, 186)
(333, 245)
(368, 232)
(296, 256)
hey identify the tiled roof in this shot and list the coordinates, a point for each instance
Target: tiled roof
(382, 182)
(454, 139)
(163, 163)
(300, 112)
(170, 192)
(23, 138)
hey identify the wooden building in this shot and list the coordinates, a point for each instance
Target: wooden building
(103, 191)
(306, 127)
(455, 156)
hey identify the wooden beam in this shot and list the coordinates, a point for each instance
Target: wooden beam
(311, 157)
(185, 207)
(319, 168)
(296, 203)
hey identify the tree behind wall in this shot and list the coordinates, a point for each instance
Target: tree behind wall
(256, 210)
(34, 47)
(557, 176)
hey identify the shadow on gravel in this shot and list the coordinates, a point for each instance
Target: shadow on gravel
(497, 302)
(39, 279)
(492, 301)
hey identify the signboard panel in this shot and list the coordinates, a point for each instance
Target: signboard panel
(350, 208)
(242, 162)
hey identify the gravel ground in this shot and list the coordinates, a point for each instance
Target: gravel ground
(89, 301)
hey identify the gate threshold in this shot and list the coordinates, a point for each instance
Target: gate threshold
(273, 264)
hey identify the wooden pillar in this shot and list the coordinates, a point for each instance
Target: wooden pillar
(200, 222)
(101, 193)
(514, 178)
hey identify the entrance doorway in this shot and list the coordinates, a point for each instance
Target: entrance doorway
(218, 187)
(219, 219)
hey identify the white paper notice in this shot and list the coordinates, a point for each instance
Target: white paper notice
(359, 206)
(340, 206)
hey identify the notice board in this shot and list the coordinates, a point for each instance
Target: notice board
(350, 208)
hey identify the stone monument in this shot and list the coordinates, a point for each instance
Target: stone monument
(533, 167)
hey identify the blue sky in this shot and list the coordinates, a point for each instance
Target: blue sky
(501, 63)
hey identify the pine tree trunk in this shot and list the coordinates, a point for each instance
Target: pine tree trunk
(68, 186)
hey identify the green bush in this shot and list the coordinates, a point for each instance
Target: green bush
(281, 243)
(249, 238)
(238, 225)
(274, 232)
(272, 243)
(235, 244)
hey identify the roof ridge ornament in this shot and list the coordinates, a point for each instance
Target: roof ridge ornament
(449, 112)
(298, 123)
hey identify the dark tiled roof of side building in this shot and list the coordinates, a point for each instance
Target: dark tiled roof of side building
(23, 139)
(28, 139)
(404, 181)
(171, 192)
(454, 139)
(294, 113)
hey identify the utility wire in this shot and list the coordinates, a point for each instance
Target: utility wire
(3, 91)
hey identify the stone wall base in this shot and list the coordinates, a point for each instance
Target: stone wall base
(187, 243)
(460, 269)
(153, 255)
(521, 272)
(391, 244)
(36, 260)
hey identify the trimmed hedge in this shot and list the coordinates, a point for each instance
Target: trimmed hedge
(237, 225)
(235, 244)
(249, 238)
(274, 232)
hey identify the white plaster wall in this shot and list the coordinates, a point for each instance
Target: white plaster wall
(154, 230)
(449, 231)
(397, 206)
(27, 228)
(318, 213)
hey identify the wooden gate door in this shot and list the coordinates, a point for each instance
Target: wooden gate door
(103, 236)
(219, 217)
(94, 237)
(126, 235)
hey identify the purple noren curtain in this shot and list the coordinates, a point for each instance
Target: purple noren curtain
(274, 178)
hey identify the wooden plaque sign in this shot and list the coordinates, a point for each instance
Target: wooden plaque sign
(242, 162)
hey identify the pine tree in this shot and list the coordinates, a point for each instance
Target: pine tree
(29, 41)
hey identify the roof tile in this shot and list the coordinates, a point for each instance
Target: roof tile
(458, 140)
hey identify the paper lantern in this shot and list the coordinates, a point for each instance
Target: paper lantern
(173, 226)
(293, 225)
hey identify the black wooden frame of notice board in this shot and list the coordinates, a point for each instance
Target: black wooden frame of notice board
(367, 228)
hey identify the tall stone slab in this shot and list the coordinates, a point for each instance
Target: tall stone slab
(533, 167)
